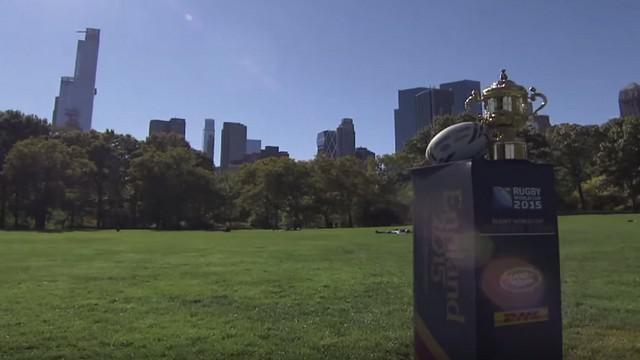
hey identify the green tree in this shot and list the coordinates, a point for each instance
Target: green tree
(15, 126)
(619, 156)
(39, 171)
(573, 150)
(171, 188)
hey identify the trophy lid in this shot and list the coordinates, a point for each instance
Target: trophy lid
(505, 87)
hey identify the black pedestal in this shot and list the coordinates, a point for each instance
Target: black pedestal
(486, 263)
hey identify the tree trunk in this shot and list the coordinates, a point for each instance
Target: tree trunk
(99, 212)
(41, 219)
(581, 195)
(3, 205)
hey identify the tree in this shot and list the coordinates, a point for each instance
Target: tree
(15, 126)
(39, 170)
(273, 189)
(172, 190)
(619, 156)
(573, 149)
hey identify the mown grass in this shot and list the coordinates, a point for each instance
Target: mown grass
(313, 294)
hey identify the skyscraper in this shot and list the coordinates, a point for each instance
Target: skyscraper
(405, 116)
(461, 91)
(629, 100)
(345, 138)
(209, 138)
(254, 146)
(171, 126)
(326, 143)
(233, 144)
(416, 109)
(73, 106)
(363, 154)
(431, 103)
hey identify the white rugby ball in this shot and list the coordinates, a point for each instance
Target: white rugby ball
(461, 141)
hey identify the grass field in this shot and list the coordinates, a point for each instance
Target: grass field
(313, 294)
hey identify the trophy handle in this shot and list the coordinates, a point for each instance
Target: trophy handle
(534, 96)
(471, 100)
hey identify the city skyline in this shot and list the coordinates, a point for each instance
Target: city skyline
(254, 67)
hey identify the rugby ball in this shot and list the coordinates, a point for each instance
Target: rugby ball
(461, 141)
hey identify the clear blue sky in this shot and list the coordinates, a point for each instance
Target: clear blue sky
(290, 68)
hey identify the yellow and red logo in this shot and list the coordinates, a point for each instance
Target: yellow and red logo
(524, 316)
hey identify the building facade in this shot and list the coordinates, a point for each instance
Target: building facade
(254, 146)
(345, 138)
(416, 109)
(363, 154)
(233, 144)
(540, 123)
(73, 107)
(326, 143)
(629, 100)
(209, 138)
(171, 126)
(461, 91)
(405, 116)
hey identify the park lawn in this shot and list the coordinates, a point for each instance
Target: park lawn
(312, 294)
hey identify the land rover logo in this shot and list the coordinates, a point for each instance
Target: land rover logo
(520, 279)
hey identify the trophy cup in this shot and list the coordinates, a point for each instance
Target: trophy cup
(485, 254)
(507, 108)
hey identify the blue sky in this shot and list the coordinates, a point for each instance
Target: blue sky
(291, 68)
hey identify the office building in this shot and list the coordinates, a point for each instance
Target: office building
(540, 123)
(405, 116)
(209, 138)
(345, 138)
(461, 91)
(254, 146)
(172, 126)
(417, 107)
(267, 152)
(363, 154)
(233, 144)
(629, 100)
(73, 107)
(326, 143)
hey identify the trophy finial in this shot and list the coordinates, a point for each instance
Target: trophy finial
(503, 77)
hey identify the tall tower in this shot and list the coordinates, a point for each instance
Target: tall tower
(326, 143)
(345, 138)
(629, 100)
(73, 106)
(233, 144)
(208, 138)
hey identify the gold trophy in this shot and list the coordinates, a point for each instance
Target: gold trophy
(507, 108)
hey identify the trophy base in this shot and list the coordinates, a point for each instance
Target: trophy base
(509, 150)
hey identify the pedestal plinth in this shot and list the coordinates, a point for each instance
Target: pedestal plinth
(486, 262)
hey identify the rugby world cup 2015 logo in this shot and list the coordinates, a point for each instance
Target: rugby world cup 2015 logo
(517, 197)
(502, 197)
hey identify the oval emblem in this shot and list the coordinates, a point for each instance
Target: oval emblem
(520, 279)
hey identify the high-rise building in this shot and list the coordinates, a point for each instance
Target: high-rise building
(233, 145)
(73, 106)
(363, 154)
(326, 143)
(461, 91)
(540, 123)
(629, 100)
(405, 116)
(209, 138)
(431, 103)
(345, 138)
(416, 109)
(171, 126)
(254, 146)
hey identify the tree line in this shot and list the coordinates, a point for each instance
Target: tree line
(57, 179)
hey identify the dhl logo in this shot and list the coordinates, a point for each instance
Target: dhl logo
(521, 316)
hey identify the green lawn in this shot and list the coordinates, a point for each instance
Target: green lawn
(313, 294)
